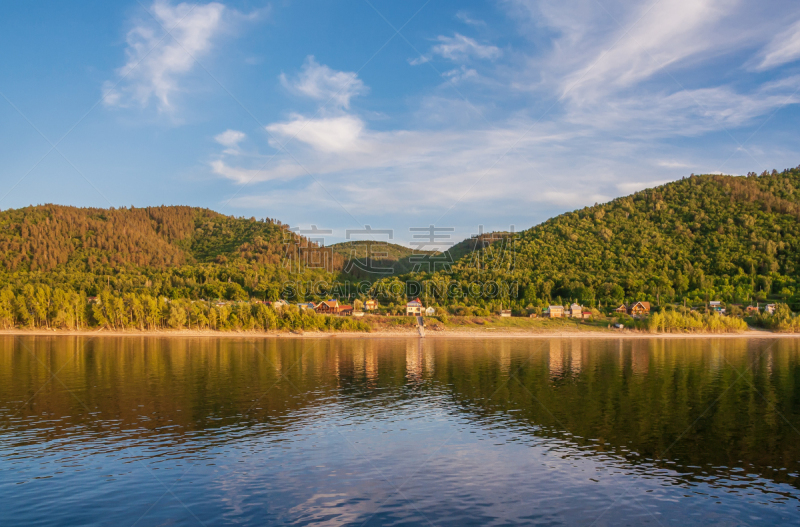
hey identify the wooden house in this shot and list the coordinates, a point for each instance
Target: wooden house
(622, 309)
(345, 310)
(414, 308)
(751, 310)
(576, 311)
(555, 311)
(370, 305)
(640, 309)
(328, 307)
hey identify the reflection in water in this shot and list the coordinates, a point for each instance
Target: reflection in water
(117, 430)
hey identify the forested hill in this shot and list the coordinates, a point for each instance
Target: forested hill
(169, 250)
(48, 236)
(703, 237)
(370, 259)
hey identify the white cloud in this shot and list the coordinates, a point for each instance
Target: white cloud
(231, 140)
(392, 171)
(155, 62)
(521, 155)
(460, 74)
(784, 48)
(459, 48)
(652, 38)
(685, 112)
(635, 186)
(464, 17)
(670, 163)
(322, 83)
(330, 135)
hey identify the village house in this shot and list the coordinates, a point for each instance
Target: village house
(328, 307)
(333, 307)
(622, 309)
(505, 312)
(430, 311)
(576, 311)
(370, 305)
(751, 310)
(279, 304)
(414, 308)
(769, 309)
(307, 305)
(555, 311)
(716, 305)
(640, 309)
(358, 313)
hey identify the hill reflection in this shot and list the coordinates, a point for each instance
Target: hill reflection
(704, 408)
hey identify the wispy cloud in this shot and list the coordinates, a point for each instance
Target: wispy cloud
(459, 48)
(464, 17)
(630, 187)
(156, 62)
(609, 82)
(322, 83)
(784, 48)
(230, 139)
(650, 39)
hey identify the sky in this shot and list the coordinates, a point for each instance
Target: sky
(463, 115)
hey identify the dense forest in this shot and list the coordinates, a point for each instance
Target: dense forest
(708, 237)
(373, 259)
(176, 252)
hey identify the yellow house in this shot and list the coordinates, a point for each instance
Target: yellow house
(555, 311)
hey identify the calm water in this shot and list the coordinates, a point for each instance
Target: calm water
(149, 431)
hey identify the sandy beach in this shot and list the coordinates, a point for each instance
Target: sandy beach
(498, 333)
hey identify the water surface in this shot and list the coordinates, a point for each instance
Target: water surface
(158, 431)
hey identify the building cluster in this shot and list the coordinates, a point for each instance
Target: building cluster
(574, 311)
(334, 307)
(637, 309)
(416, 309)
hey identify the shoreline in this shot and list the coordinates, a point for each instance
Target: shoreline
(499, 333)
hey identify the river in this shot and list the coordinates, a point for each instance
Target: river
(134, 431)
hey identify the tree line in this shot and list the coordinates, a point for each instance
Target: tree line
(42, 307)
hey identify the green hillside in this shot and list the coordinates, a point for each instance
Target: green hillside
(171, 251)
(701, 238)
(372, 259)
(735, 239)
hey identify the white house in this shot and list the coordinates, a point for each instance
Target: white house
(430, 311)
(414, 308)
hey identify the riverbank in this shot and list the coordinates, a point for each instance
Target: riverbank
(490, 333)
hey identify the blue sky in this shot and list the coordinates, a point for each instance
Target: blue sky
(390, 114)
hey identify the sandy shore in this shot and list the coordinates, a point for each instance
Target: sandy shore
(498, 333)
